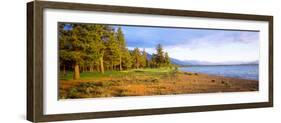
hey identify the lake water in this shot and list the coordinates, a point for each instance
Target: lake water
(237, 71)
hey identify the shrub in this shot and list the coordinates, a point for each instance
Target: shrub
(72, 93)
(121, 93)
(155, 80)
(187, 73)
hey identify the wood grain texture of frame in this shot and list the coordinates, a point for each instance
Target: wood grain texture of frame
(35, 60)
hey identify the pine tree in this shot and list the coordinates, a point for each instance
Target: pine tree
(96, 46)
(73, 44)
(127, 59)
(64, 56)
(112, 51)
(167, 59)
(122, 46)
(136, 54)
(159, 55)
(143, 60)
(153, 62)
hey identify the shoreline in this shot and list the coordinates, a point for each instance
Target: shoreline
(222, 76)
(229, 70)
(222, 65)
(148, 85)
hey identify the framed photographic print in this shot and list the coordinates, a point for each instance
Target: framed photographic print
(96, 61)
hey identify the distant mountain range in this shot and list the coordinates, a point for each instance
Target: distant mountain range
(195, 62)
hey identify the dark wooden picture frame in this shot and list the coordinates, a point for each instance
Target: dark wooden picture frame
(35, 47)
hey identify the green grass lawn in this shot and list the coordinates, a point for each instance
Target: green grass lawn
(139, 72)
(92, 75)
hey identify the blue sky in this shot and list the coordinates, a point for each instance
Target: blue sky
(196, 44)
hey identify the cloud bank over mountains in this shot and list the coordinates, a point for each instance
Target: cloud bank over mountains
(208, 45)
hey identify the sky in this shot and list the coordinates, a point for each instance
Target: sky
(196, 44)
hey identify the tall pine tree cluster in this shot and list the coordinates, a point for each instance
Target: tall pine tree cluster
(98, 47)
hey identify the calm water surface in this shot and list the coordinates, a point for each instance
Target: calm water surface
(237, 71)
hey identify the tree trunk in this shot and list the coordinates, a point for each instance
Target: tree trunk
(76, 73)
(64, 71)
(120, 62)
(101, 65)
(91, 68)
(98, 68)
(83, 68)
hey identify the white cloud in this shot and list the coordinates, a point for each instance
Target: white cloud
(218, 48)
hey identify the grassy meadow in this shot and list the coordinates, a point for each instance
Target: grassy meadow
(145, 82)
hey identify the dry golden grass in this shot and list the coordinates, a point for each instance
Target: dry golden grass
(145, 85)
